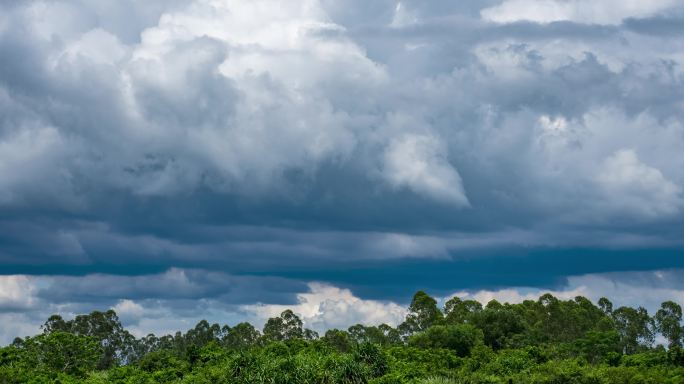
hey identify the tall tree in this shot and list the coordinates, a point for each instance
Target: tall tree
(242, 335)
(118, 345)
(499, 323)
(422, 313)
(383, 334)
(460, 338)
(63, 352)
(203, 333)
(459, 311)
(285, 327)
(606, 306)
(337, 339)
(669, 322)
(635, 327)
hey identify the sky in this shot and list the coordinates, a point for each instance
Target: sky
(225, 159)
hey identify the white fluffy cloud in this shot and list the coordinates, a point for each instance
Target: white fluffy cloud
(647, 289)
(325, 307)
(581, 11)
(518, 295)
(128, 310)
(636, 187)
(256, 137)
(262, 99)
(249, 102)
(17, 292)
(271, 105)
(420, 163)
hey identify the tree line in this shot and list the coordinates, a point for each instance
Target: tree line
(464, 341)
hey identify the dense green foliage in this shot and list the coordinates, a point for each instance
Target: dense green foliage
(544, 341)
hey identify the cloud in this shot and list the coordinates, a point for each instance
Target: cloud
(32, 150)
(16, 325)
(207, 117)
(17, 292)
(419, 163)
(321, 306)
(582, 11)
(518, 295)
(325, 307)
(402, 16)
(163, 310)
(239, 94)
(128, 310)
(175, 283)
(448, 145)
(636, 187)
(647, 289)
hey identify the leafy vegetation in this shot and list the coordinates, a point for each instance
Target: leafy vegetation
(544, 341)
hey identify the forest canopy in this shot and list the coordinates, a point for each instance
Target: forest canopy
(548, 340)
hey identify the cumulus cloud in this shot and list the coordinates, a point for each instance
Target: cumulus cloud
(419, 163)
(634, 186)
(17, 292)
(325, 307)
(252, 102)
(310, 141)
(128, 310)
(240, 94)
(210, 110)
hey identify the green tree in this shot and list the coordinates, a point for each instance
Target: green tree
(606, 306)
(64, 352)
(147, 344)
(597, 347)
(459, 311)
(118, 345)
(287, 326)
(310, 334)
(422, 313)
(55, 323)
(337, 339)
(390, 335)
(668, 321)
(635, 328)
(460, 338)
(499, 323)
(242, 335)
(203, 334)
(383, 334)
(543, 341)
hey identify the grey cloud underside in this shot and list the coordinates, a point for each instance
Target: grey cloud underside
(175, 284)
(339, 142)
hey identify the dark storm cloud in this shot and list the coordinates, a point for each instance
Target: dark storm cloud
(657, 26)
(451, 144)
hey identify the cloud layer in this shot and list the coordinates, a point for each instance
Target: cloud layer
(321, 306)
(447, 145)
